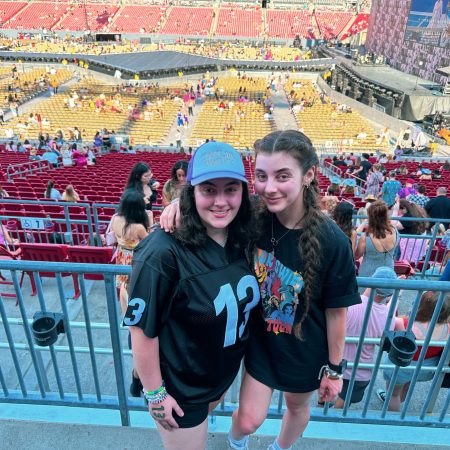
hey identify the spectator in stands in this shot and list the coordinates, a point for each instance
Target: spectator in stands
(398, 152)
(328, 204)
(91, 159)
(419, 198)
(364, 167)
(378, 240)
(412, 249)
(390, 189)
(402, 170)
(3, 193)
(80, 158)
(436, 174)
(51, 192)
(348, 187)
(175, 279)
(374, 178)
(5, 237)
(173, 186)
(446, 166)
(98, 141)
(420, 328)
(51, 156)
(408, 189)
(130, 225)
(343, 216)
(66, 153)
(140, 179)
(375, 327)
(70, 195)
(439, 206)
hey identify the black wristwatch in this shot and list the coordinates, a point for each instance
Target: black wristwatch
(340, 368)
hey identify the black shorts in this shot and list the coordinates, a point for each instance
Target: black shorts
(193, 415)
(358, 390)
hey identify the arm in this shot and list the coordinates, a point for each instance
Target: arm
(170, 217)
(336, 324)
(360, 250)
(146, 360)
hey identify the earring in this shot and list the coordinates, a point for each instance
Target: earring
(306, 186)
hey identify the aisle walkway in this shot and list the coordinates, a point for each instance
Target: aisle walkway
(283, 117)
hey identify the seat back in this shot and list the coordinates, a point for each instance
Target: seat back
(90, 255)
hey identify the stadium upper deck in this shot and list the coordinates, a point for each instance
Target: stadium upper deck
(319, 19)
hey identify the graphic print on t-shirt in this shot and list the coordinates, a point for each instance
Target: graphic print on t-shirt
(280, 287)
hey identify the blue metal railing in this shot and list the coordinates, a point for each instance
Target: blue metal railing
(72, 372)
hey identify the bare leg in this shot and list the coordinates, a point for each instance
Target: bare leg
(295, 418)
(339, 403)
(395, 403)
(254, 401)
(184, 438)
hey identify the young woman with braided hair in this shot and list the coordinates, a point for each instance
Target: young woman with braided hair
(297, 331)
(300, 353)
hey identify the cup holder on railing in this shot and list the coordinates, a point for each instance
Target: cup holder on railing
(400, 346)
(46, 327)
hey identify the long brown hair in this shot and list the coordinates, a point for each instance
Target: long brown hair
(427, 305)
(299, 146)
(415, 211)
(379, 224)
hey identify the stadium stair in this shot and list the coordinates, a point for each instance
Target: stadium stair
(282, 115)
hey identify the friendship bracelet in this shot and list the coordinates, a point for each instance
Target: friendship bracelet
(156, 398)
(156, 391)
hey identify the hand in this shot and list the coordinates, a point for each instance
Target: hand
(329, 389)
(170, 217)
(162, 412)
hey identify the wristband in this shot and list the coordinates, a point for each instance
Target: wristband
(154, 399)
(330, 374)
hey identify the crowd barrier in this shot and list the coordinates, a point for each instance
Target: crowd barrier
(49, 358)
(81, 223)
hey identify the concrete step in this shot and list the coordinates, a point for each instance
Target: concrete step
(25, 435)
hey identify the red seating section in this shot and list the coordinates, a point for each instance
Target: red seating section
(360, 23)
(38, 15)
(288, 24)
(238, 22)
(196, 21)
(331, 24)
(133, 19)
(8, 9)
(97, 16)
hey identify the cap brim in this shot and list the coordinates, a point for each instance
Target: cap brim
(214, 175)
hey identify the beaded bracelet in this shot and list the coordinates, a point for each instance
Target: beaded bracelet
(156, 398)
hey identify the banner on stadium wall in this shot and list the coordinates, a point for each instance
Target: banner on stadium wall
(429, 22)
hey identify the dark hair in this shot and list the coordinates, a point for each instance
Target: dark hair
(378, 221)
(427, 306)
(48, 191)
(343, 216)
(132, 208)
(300, 147)
(421, 189)
(181, 164)
(134, 179)
(192, 232)
(415, 211)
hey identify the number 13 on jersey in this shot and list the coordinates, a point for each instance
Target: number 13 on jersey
(226, 299)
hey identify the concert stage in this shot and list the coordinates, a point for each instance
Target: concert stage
(399, 94)
(162, 63)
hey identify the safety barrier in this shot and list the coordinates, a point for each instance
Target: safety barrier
(53, 353)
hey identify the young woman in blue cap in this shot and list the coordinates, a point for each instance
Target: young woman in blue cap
(190, 299)
(305, 268)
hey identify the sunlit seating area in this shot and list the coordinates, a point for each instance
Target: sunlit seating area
(9, 9)
(330, 124)
(28, 83)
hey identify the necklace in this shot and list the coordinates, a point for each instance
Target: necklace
(274, 241)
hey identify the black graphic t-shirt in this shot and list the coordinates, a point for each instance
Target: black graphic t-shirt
(274, 355)
(197, 302)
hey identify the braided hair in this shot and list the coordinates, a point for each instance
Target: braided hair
(299, 147)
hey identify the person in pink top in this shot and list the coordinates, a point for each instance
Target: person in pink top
(375, 327)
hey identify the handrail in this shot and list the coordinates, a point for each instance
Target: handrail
(26, 168)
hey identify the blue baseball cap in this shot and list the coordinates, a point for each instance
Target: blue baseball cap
(215, 160)
(386, 273)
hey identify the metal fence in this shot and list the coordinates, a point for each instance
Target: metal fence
(88, 363)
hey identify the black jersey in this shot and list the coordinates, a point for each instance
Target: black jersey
(274, 355)
(197, 302)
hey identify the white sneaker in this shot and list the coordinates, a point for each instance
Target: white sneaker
(235, 447)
